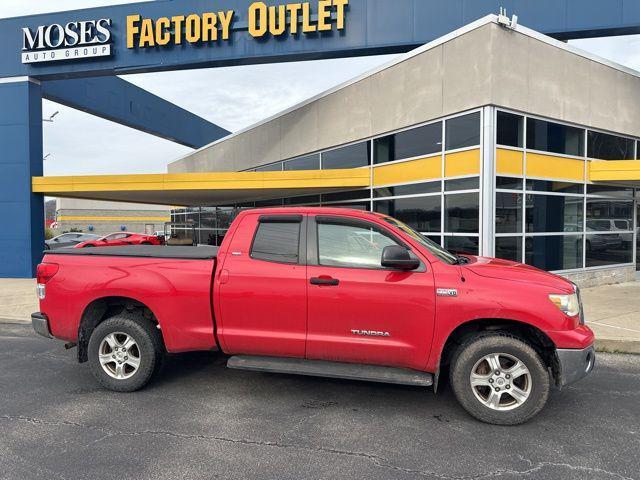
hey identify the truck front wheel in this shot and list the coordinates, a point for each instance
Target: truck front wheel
(499, 379)
(124, 352)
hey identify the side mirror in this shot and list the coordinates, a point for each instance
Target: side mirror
(395, 256)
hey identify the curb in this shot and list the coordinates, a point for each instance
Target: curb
(607, 345)
(15, 321)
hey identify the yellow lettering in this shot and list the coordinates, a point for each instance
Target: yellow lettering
(162, 36)
(177, 28)
(257, 28)
(146, 33)
(209, 30)
(192, 28)
(324, 14)
(225, 23)
(277, 26)
(132, 29)
(307, 27)
(340, 7)
(294, 12)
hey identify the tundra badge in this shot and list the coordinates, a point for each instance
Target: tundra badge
(370, 333)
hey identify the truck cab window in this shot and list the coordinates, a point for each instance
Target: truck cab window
(351, 246)
(277, 242)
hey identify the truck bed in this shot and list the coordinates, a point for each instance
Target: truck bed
(144, 251)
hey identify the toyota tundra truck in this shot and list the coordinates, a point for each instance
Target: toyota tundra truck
(325, 292)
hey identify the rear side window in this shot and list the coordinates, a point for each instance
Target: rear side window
(277, 242)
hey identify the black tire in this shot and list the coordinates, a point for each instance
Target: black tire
(149, 348)
(508, 411)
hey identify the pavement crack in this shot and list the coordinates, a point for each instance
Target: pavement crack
(377, 460)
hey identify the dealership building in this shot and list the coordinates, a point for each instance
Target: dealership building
(488, 137)
(103, 218)
(489, 140)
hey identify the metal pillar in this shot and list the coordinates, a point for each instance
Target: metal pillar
(22, 235)
(487, 183)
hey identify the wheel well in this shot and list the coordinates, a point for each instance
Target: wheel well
(535, 337)
(101, 309)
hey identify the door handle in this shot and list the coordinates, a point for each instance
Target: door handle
(327, 281)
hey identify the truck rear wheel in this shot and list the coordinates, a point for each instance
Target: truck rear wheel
(499, 379)
(124, 352)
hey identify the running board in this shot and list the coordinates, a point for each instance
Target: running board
(320, 368)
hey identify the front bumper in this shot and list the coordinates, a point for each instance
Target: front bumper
(574, 364)
(40, 324)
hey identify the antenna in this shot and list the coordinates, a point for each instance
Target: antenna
(50, 119)
(503, 19)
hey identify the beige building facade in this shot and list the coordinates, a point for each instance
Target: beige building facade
(102, 218)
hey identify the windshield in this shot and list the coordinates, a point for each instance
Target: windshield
(430, 245)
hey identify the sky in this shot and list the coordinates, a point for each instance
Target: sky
(76, 143)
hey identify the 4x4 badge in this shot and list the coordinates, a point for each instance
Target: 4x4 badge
(447, 292)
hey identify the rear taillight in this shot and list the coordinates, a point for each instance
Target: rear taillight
(46, 271)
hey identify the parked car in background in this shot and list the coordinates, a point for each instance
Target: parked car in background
(120, 239)
(68, 240)
(161, 236)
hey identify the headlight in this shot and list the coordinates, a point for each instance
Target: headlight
(568, 304)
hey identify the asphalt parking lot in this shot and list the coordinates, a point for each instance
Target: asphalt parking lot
(201, 420)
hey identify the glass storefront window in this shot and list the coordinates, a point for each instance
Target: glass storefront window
(553, 213)
(470, 245)
(435, 238)
(554, 252)
(413, 189)
(509, 248)
(274, 167)
(269, 203)
(554, 137)
(208, 218)
(420, 213)
(609, 147)
(305, 200)
(508, 213)
(509, 130)
(472, 183)
(309, 162)
(352, 156)
(609, 249)
(610, 191)
(554, 186)
(462, 213)
(408, 144)
(509, 183)
(345, 196)
(463, 131)
(604, 214)
(354, 205)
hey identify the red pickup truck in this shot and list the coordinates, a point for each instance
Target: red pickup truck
(325, 292)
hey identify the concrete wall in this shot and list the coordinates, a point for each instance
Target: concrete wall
(108, 217)
(424, 87)
(604, 276)
(536, 77)
(487, 65)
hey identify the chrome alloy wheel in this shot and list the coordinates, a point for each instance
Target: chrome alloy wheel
(119, 355)
(501, 381)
